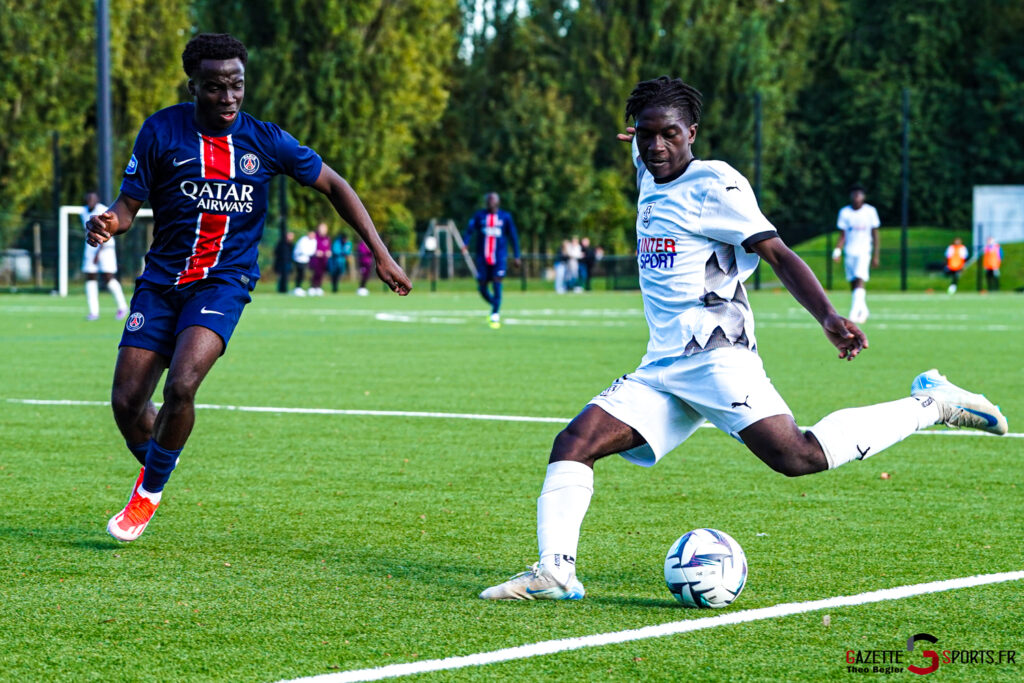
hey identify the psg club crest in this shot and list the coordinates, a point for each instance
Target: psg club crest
(135, 321)
(249, 163)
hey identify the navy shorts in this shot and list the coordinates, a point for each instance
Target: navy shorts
(159, 313)
(485, 272)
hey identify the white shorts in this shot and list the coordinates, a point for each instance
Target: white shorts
(107, 260)
(857, 266)
(668, 400)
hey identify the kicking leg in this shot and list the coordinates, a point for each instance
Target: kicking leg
(563, 503)
(845, 435)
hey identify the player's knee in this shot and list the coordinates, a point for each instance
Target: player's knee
(570, 444)
(180, 390)
(127, 402)
(794, 460)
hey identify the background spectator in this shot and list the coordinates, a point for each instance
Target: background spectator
(304, 250)
(283, 260)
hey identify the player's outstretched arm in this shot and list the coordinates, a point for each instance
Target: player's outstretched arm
(797, 277)
(348, 205)
(114, 221)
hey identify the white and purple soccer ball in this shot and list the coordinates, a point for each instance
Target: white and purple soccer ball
(705, 568)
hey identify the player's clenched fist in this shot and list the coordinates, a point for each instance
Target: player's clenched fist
(101, 228)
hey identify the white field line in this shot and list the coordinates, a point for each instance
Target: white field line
(672, 628)
(417, 413)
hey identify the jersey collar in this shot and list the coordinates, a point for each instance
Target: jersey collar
(674, 176)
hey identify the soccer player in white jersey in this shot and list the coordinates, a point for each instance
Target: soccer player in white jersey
(101, 259)
(699, 235)
(860, 246)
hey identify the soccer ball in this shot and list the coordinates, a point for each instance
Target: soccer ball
(705, 568)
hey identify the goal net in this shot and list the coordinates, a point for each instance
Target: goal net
(68, 256)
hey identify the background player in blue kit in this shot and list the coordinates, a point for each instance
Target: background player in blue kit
(495, 231)
(205, 168)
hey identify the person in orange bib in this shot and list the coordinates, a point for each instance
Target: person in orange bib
(991, 260)
(956, 258)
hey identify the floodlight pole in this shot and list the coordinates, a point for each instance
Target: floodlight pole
(56, 198)
(104, 133)
(757, 170)
(905, 203)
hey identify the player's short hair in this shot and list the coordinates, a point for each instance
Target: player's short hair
(666, 92)
(857, 187)
(212, 46)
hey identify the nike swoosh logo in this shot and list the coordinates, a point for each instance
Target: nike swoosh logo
(992, 422)
(208, 312)
(179, 163)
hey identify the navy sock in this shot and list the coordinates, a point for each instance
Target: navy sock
(139, 450)
(496, 300)
(160, 463)
(484, 293)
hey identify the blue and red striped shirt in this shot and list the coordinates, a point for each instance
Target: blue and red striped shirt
(496, 232)
(208, 190)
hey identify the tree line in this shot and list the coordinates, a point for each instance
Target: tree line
(425, 105)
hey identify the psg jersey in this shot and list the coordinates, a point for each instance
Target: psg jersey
(208, 190)
(497, 230)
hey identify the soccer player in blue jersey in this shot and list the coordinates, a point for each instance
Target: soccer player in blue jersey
(495, 231)
(205, 168)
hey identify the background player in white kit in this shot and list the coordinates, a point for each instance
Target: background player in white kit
(99, 260)
(699, 235)
(860, 245)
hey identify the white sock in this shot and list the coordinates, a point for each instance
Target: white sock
(859, 433)
(561, 507)
(861, 295)
(858, 303)
(92, 296)
(114, 287)
(154, 498)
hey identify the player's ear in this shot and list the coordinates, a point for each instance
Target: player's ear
(191, 87)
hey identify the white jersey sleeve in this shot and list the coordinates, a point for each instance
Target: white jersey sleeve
(730, 214)
(638, 163)
(843, 220)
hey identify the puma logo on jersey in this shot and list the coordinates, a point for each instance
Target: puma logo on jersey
(737, 404)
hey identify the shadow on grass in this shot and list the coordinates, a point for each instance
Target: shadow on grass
(76, 537)
(95, 543)
(650, 603)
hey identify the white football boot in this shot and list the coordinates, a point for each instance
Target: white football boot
(536, 583)
(959, 408)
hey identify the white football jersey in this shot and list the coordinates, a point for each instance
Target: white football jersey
(87, 214)
(857, 225)
(692, 238)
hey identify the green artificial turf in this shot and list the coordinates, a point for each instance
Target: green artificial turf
(300, 544)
